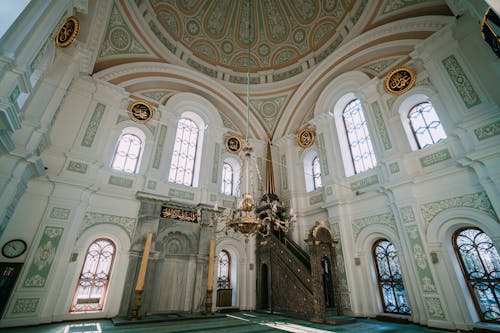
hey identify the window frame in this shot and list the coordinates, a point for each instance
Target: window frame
(391, 281)
(104, 294)
(136, 132)
(414, 109)
(466, 274)
(227, 281)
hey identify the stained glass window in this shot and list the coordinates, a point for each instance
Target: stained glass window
(224, 270)
(94, 278)
(184, 155)
(227, 179)
(316, 172)
(127, 153)
(425, 125)
(481, 267)
(390, 280)
(360, 144)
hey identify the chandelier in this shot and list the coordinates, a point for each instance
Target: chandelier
(245, 217)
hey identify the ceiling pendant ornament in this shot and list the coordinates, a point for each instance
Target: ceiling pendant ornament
(140, 112)
(400, 80)
(233, 144)
(68, 32)
(306, 137)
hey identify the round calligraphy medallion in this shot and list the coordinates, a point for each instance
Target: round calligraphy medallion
(400, 80)
(233, 144)
(67, 33)
(305, 137)
(140, 112)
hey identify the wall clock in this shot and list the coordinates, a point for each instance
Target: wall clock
(14, 248)
(140, 112)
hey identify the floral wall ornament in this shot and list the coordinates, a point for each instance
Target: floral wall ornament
(306, 137)
(68, 32)
(400, 80)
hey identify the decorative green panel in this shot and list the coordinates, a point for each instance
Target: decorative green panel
(322, 149)
(380, 66)
(15, 94)
(119, 39)
(359, 11)
(365, 182)
(461, 82)
(91, 218)
(407, 214)
(227, 203)
(181, 194)
(479, 201)
(316, 199)
(487, 131)
(159, 147)
(284, 178)
(434, 158)
(394, 167)
(60, 213)
(77, 167)
(213, 197)
(152, 184)
(155, 95)
(422, 264)
(121, 118)
(215, 164)
(287, 74)
(43, 257)
(435, 308)
(269, 109)
(332, 47)
(329, 190)
(25, 305)
(382, 129)
(119, 181)
(391, 5)
(386, 219)
(227, 122)
(93, 125)
(161, 37)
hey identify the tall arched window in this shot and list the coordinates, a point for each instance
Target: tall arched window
(390, 280)
(480, 264)
(224, 270)
(230, 176)
(425, 125)
(312, 170)
(94, 278)
(128, 151)
(360, 144)
(316, 172)
(184, 155)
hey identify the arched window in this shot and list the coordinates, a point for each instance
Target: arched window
(480, 264)
(230, 176)
(94, 278)
(224, 270)
(312, 171)
(360, 144)
(184, 156)
(128, 151)
(390, 280)
(316, 172)
(425, 125)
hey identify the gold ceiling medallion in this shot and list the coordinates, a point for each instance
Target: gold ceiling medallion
(305, 137)
(233, 144)
(140, 112)
(67, 34)
(400, 80)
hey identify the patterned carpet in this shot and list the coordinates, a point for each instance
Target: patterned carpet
(239, 322)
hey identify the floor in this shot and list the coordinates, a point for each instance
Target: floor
(238, 322)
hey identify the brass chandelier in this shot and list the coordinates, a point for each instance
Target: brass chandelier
(246, 217)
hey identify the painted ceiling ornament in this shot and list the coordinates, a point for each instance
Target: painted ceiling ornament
(400, 80)
(233, 144)
(140, 111)
(305, 137)
(68, 32)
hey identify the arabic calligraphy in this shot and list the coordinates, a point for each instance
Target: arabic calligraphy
(305, 138)
(233, 144)
(400, 80)
(180, 214)
(140, 112)
(68, 32)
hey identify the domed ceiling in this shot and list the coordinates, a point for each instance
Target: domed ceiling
(296, 47)
(280, 34)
